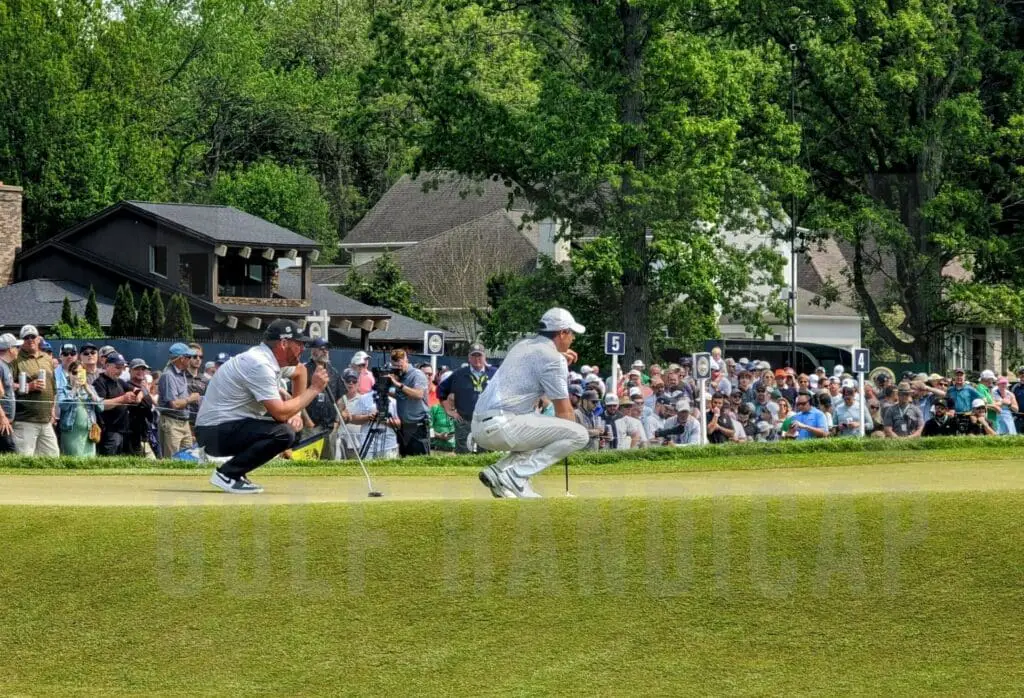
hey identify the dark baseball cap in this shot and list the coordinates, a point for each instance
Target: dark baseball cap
(348, 374)
(319, 343)
(285, 329)
(89, 345)
(591, 395)
(576, 390)
(138, 363)
(223, 358)
(69, 349)
(115, 359)
(477, 348)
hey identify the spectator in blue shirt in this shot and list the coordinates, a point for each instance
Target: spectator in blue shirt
(963, 395)
(808, 422)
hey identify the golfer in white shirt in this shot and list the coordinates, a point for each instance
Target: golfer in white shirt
(504, 418)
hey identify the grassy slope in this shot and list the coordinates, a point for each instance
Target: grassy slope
(900, 594)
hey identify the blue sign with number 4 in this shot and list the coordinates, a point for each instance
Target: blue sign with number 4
(861, 360)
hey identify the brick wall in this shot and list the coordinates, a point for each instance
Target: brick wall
(265, 302)
(10, 231)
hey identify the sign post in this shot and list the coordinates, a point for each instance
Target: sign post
(702, 372)
(615, 346)
(862, 365)
(318, 326)
(433, 346)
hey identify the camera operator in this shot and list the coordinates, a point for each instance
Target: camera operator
(411, 399)
(322, 412)
(245, 414)
(384, 443)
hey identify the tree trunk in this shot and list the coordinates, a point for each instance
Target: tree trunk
(636, 262)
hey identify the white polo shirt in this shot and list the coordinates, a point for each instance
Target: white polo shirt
(240, 386)
(533, 367)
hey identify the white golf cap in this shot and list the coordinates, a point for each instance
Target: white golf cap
(986, 374)
(838, 370)
(813, 379)
(359, 358)
(834, 380)
(8, 341)
(683, 405)
(573, 376)
(591, 378)
(611, 399)
(586, 370)
(558, 319)
(850, 383)
(978, 402)
(638, 364)
(635, 392)
(29, 330)
(636, 373)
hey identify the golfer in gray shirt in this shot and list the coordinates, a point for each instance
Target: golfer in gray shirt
(505, 420)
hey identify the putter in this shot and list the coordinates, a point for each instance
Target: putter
(341, 422)
(567, 492)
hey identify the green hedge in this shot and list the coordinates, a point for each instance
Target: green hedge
(675, 455)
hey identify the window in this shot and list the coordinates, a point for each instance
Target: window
(158, 260)
(193, 273)
(240, 277)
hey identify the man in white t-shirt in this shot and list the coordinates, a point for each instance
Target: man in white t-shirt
(384, 443)
(246, 415)
(504, 418)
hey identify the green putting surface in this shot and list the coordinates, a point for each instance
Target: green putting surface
(178, 489)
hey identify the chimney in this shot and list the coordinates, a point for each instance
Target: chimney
(10, 230)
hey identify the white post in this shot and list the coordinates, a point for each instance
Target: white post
(433, 364)
(703, 411)
(615, 374)
(863, 399)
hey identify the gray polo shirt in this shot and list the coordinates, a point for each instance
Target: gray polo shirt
(173, 385)
(410, 410)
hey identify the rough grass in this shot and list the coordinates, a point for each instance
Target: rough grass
(876, 595)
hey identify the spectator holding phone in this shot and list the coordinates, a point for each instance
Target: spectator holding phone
(117, 395)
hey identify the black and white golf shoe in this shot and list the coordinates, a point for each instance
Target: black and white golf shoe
(232, 485)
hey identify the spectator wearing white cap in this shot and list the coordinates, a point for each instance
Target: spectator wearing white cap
(8, 352)
(978, 424)
(682, 429)
(360, 363)
(985, 387)
(36, 410)
(638, 365)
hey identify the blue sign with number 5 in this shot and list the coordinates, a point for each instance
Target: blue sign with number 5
(615, 343)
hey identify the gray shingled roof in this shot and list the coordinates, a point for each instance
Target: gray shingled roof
(225, 224)
(40, 301)
(326, 299)
(330, 273)
(451, 270)
(407, 213)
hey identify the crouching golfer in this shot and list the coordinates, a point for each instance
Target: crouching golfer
(504, 418)
(246, 415)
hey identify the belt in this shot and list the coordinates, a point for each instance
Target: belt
(176, 419)
(487, 416)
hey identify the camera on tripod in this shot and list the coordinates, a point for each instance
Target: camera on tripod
(382, 386)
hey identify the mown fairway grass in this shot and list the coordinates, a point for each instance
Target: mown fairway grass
(905, 594)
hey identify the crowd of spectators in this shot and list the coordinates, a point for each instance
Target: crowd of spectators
(751, 401)
(87, 400)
